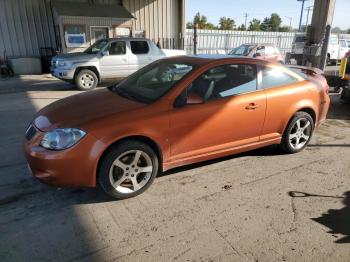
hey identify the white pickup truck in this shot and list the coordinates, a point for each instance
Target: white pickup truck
(107, 59)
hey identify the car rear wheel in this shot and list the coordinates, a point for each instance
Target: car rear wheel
(128, 169)
(298, 133)
(86, 80)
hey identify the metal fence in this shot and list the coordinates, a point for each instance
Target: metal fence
(222, 41)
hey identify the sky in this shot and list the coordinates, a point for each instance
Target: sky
(214, 9)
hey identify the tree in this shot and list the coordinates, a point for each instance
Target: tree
(272, 23)
(227, 23)
(254, 25)
(275, 21)
(336, 30)
(265, 25)
(242, 28)
(285, 29)
(200, 20)
(210, 26)
(189, 25)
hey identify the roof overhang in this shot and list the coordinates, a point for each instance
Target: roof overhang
(91, 10)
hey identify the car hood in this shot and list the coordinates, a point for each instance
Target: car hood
(78, 110)
(75, 57)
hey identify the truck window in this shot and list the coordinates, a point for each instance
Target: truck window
(343, 43)
(139, 47)
(117, 48)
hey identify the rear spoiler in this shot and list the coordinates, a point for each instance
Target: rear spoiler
(307, 70)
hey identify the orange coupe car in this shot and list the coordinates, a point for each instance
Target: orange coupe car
(173, 112)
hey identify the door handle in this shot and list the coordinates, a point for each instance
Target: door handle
(252, 106)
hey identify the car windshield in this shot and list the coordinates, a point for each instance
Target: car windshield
(242, 50)
(151, 82)
(96, 47)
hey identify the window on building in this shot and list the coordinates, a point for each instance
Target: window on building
(139, 47)
(272, 77)
(74, 35)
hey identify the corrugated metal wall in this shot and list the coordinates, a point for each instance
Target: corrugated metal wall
(159, 18)
(25, 26)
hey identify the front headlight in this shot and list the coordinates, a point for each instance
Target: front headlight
(61, 138)
(65, 64)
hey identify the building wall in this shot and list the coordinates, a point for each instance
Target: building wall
(27, 25)
(88, 23)
(158, 18)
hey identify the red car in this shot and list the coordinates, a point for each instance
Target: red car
(267, 52)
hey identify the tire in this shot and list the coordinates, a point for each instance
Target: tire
(120, 174)
(86, 80)
(296, 139)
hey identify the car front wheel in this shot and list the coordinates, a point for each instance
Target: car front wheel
(128, 169)
(298, 133)
(86, 80)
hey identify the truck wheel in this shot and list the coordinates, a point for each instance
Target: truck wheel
(86, 80)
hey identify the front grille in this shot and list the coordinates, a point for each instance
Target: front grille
(31, 132)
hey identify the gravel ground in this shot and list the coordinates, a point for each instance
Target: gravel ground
(239, 208)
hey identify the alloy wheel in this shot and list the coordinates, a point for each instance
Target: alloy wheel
(300, 133)
(131, 171)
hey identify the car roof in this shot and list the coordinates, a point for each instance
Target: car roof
(207, 59)
(125, 38)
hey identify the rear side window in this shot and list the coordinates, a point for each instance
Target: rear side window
(272, 77)
(139, 47)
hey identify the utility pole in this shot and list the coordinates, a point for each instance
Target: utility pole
(290, 21)
(246, 18)
(308, 9)
(302, 13)
(318, 32)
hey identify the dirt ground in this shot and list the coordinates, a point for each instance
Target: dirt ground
(257, 206)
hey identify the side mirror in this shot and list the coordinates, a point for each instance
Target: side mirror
(193, 99)
(105, 53)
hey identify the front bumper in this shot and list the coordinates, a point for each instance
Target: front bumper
(75, 166)
(65, 74)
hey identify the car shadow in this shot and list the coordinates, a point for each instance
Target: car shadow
(337, 220)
